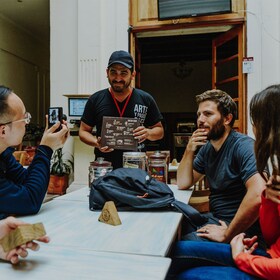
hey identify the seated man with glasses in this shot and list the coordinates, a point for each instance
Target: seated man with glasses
(22, 190)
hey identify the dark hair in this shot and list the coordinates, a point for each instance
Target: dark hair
(225, 103)
(264, 113)
(4, 107)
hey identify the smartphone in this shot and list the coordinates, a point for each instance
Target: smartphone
(55, 115)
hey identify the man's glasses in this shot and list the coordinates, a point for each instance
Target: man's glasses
(27, 118)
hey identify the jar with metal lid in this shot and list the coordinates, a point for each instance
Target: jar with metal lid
(157, 166)
(98, 168)
(134, 160)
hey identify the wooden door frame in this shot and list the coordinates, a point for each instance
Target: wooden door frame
(240, 23)
(235, 32)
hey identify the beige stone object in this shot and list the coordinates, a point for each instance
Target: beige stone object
(21, 235)
(109, 214)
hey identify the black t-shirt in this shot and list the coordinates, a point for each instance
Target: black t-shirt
(141, 105)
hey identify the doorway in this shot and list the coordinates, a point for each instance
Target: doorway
(176, 66)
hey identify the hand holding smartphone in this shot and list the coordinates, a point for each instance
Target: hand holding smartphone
(55, 115)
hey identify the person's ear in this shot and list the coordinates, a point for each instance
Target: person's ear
(133, 74)
(228, 119)
(2, 130)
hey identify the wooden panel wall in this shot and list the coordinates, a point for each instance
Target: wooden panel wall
(145, 12)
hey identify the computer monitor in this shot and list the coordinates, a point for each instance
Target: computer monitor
(76, 106)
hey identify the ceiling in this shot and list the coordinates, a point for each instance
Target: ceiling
(30, 15)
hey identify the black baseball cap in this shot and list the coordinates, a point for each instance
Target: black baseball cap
(121, 57)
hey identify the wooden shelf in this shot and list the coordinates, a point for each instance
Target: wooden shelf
(77, 95)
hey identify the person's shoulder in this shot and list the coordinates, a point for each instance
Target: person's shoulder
(242, 143)
(7, 152)
(241, 137)
(142, 92)
(5, 157)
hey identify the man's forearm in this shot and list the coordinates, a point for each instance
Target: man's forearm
(248, 211)
(244, 218)
(155, 133)
(88, 138)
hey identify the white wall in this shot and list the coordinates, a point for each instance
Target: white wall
(84, 33)
(24, 67)
(64, 50)
(263, 43)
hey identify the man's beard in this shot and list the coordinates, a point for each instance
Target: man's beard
(118, 87)
(217, 131)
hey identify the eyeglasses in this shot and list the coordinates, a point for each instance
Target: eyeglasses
(27, 118)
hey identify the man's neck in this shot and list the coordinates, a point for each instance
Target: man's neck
(217, 144)
(121, 96)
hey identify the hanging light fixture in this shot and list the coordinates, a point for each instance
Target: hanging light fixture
(182, 70)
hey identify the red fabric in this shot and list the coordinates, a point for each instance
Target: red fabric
(270, 224)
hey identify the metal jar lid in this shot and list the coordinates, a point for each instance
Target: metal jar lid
(100, 162)
(157, 155)
(134, 155)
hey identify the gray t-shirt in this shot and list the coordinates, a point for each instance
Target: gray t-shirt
(227, 171)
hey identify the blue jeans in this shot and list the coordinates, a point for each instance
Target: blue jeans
(190, 234)
(205, 260)
(214, 273)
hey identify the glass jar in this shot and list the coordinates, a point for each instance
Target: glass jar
(157, 166)
(98, 168)
(134, 160)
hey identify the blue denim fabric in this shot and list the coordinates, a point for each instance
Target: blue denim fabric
(188, 254)
(211, 257)
(214, 273)
(189, 232)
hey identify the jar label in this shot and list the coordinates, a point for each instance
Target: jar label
(158, 172)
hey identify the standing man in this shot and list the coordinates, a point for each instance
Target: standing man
(22, 191)
(120, 100)
(227, 159)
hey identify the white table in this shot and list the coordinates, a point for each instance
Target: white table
(81, 247)
(71, 224)
(81, 195)
(181, 195)
(56, 263)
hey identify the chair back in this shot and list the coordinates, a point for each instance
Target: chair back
(200, 196)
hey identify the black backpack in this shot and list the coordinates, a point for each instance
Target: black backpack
(134, 189)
